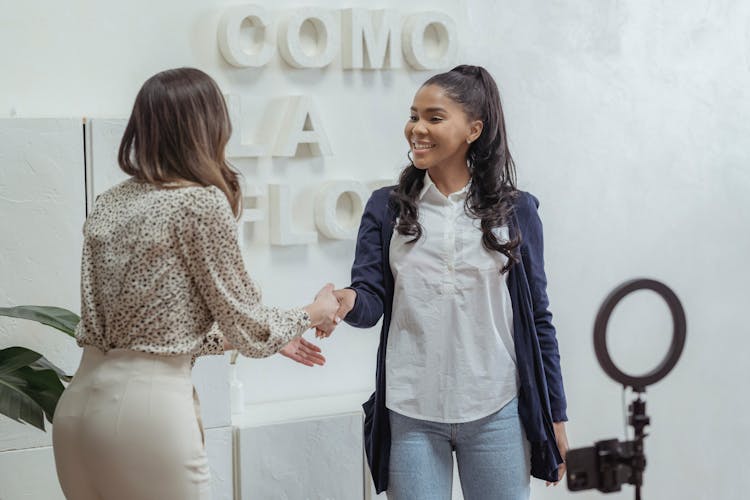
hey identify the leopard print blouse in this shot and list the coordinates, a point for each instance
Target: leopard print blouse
(162, 273)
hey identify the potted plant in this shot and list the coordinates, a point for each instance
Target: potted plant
(30, 385)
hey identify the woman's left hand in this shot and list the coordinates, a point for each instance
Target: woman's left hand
(562, 444)
(303, 352)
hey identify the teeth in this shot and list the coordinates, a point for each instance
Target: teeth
(422, 146)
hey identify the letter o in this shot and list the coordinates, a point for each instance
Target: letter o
(326, 201)
(290, 43)
(412, 41)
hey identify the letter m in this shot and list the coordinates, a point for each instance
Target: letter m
(372, 39)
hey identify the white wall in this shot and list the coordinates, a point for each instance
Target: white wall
(627, 119)
(41, 202)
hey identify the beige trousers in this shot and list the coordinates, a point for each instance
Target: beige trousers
(128, 428)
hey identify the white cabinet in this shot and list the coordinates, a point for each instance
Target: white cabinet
(309, 449)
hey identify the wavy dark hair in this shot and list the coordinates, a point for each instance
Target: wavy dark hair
(178, 131)
(492, 190)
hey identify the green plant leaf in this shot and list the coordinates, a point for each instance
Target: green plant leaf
(56, 317)
(44, 364)
(28, 393)
(44, 387)
(17, 405)
(13, 358)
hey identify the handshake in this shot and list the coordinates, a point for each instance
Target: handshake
(329, 308)
(326, 312)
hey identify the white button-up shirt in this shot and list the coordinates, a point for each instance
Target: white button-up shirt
(450, 355)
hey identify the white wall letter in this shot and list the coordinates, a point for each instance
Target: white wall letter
(251, 191)
(413, 40)
(251, 214)
(290, 38)
(301, 125)
(235, 147)
(280, 218)
(326, 218)
(376, 30)
(230, 40)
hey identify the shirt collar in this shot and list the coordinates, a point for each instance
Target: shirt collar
(429, 184)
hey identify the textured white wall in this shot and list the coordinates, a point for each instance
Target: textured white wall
(627, 119)
(41, 202)
(295, 459)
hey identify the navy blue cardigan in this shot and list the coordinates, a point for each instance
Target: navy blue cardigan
(541, 396)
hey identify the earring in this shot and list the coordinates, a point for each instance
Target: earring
(468, 141)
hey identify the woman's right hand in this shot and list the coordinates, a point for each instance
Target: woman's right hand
(346, 298)
(323, 310)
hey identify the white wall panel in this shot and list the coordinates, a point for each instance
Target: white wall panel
(102, 144)
(211, 381)
(41, 215)
(29, 475)
(318, 458)
(219, 447)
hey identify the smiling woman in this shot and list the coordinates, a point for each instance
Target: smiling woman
(452, 258)
(447, 136)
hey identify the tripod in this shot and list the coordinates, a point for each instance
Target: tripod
(639, 420)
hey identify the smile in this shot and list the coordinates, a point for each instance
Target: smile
(421, 146)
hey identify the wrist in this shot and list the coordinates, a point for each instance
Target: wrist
(351, 295)
(313, 311)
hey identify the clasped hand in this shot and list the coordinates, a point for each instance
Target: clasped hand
(321, 311)
(326, 312)
(345, 298)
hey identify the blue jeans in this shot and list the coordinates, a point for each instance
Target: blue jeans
(492, 454)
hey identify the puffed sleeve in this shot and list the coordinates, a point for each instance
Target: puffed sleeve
(208, 242)
(213, 342)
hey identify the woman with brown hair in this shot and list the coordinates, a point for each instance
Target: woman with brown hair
(161, 267)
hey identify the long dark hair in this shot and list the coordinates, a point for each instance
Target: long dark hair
(178, 131)
(493, 174)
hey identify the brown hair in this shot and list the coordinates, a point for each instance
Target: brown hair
(177, 132)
